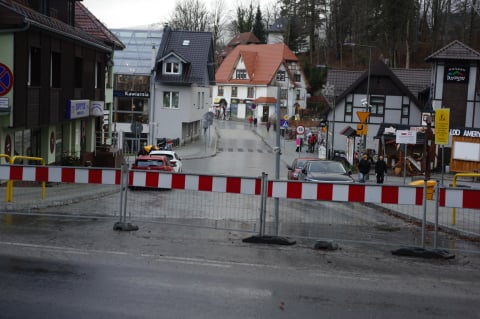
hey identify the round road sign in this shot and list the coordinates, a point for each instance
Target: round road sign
(6, 79)
(300, 129)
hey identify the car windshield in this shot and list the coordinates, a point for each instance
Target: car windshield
(326, 167)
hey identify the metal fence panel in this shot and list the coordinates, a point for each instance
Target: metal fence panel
(217, 210)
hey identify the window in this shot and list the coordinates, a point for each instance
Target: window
(170, 99)
(250, 92)
(283, 94)
(280, 76)
(405, 110)
(348, 107)
(55, 72)
(35, 66)
(172, 68)
(241, 74)
(297, 94)
(220, 91)
(234, 91)
(377, 105)
(298, 77)
(98, 75)
(78, 72)
(131, 109)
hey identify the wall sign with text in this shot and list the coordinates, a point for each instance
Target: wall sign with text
(457, 74)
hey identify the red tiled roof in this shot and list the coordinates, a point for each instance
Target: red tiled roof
(261, 62)
(243, 38)
(86, 21)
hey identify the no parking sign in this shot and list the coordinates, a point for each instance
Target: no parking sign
(6, 79)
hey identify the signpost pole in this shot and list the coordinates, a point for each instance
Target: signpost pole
(405, 164)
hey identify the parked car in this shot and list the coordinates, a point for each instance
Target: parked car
(325, 171)
(153, 162)
(172, 156)
(295, 169)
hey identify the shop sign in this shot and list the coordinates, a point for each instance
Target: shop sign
(96, 108)
(457, 74)
(78, 109)
(145, 94)
(465, 132)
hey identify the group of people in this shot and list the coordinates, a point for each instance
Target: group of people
(364, 167)
(311, 140)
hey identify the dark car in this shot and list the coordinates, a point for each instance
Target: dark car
(326, 171)
(295, 170)
(153, 162)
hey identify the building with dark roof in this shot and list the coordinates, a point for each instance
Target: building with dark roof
(52, 97)
(184, 73)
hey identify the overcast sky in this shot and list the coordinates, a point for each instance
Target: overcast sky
(130, 13)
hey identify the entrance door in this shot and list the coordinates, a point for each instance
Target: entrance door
(265, 113)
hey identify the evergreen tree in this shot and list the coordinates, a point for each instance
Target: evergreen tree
(259, 27)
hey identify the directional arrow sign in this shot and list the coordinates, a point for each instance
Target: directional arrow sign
(363, 116)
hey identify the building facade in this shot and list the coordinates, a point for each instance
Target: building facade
(53, 74)
(252, 78)
(182, 90)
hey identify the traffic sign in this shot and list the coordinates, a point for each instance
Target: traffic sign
(283, 124)
(406, 137)
(300, 129)
(442, 126)
(6, 79)
(362, 129)
(363, 116)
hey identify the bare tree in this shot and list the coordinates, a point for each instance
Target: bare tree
(191, 15)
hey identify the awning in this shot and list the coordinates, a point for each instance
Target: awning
(265, 100)
(348, 131)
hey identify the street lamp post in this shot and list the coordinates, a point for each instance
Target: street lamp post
(329, 91)
(367, 100)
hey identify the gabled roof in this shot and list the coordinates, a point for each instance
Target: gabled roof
(410, 81)
(279, 25)
(455, 50)
(262, 62)
(86, 21)
(243, 38)
(32, 18)
(191, 46)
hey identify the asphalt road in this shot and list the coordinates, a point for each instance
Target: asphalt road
(76, 269)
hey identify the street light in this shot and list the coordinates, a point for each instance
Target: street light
(329, 91)
(367, 104)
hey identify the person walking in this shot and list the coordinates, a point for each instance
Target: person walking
(380, 169)
(255, 120)
(268, 126)
(250, 120)
(363, 168)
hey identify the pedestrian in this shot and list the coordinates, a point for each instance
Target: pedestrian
(380, 169)
(297, 143)
(311, 143)
(363, 168)
(268, 126)
(250, 120)
(255, 122)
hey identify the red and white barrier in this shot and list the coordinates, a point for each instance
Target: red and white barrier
(379, 194)
(60, 174)
(222, 184)
(363, 193)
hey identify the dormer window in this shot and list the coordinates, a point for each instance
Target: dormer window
(171, 68)
(241, 74)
